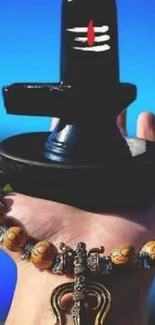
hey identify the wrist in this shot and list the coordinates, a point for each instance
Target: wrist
(34, 288)
(128, 291)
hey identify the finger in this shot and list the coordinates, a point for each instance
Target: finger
(55, 121)
(121, 121)
(146, 126)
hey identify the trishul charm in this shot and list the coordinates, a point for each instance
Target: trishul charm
(81, 289)
(81, 316)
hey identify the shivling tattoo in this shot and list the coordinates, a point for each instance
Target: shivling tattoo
(85, 152)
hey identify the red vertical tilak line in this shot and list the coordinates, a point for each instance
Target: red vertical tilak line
(90, 33)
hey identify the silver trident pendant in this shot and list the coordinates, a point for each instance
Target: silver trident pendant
(81, 290)
(80, 316)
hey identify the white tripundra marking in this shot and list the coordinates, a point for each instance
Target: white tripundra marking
(97, 39)
(99, 48)
(102, 38)
(102, 29)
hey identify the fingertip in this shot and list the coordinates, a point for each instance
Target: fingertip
(146, 118)
(54, 122)
(146, 126)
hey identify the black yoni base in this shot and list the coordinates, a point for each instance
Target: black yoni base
(95, 188)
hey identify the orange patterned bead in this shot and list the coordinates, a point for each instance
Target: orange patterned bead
(149, 248)
(124, 254)
(43, 254)
(15, 239)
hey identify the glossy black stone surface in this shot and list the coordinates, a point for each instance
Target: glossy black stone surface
(89, 96)
(69, 103)
(85, 161)
(94, 188)
(89, 43)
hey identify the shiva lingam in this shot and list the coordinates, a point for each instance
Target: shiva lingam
(85, 161)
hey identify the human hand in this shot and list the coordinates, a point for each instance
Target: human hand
(60, 223)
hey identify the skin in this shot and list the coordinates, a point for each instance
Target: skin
(60, 223)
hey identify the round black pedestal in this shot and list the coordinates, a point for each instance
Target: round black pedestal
(95, 188)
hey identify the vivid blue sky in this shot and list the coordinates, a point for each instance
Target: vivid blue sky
(29, 51)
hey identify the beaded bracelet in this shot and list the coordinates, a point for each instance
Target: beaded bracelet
(87, 267)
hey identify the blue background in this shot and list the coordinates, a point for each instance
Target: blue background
(29, 51)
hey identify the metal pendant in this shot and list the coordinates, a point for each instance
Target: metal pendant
(80, 314)
(56, 298)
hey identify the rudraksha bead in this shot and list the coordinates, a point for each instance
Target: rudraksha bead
(43, 254)
(124, 254)
(15, 239)
(149, 248)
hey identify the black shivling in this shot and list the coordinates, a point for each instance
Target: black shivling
(85, 161)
